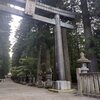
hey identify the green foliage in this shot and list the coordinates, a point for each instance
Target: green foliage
(20, 48)
(28, 43)
(28, 66)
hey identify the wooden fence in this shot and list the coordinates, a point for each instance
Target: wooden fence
(89, 84)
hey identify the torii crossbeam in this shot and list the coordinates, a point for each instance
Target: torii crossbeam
(31, 5)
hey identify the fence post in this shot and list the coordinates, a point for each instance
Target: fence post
(78, 71)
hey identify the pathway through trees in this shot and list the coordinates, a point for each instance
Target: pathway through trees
(12, 91)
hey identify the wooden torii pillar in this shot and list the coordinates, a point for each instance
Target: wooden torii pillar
(31, 5)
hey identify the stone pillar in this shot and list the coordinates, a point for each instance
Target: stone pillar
(59, 50)
(61, 82)
(33, 80)
(30, 80)
(24, 80)
(66, 55)
(49, 78)
(21, 79)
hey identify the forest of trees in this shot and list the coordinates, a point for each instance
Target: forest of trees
(4, 43)
(35, 46)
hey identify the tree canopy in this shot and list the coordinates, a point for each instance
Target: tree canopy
(4, 43)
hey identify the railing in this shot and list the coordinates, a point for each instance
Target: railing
(89, 84)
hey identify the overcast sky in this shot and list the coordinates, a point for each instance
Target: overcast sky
(15, 23)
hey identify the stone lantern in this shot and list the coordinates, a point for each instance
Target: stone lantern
(84, 61)
(39, 81)
(49, 78)
(30, 79)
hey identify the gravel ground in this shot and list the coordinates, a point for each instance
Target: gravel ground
(12, 91)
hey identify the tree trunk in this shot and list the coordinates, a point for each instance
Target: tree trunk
(88, 36)
(47, 59)
(39, 63)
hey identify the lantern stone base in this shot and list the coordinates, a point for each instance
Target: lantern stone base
(62, 85)
(48, 84)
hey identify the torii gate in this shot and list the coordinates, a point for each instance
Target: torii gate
(31, 5)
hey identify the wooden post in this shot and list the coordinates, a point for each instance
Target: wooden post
(59, 50)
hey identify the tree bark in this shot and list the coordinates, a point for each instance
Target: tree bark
(47, 59)
(88, 36)
(39, 63)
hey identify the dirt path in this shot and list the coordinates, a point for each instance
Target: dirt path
(12, 91)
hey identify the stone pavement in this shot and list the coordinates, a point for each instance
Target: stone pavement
(12, 91)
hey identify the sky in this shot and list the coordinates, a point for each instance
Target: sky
(14, 25)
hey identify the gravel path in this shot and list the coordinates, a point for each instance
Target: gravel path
(12, 91)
